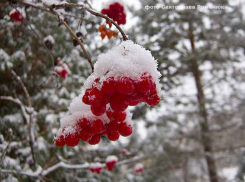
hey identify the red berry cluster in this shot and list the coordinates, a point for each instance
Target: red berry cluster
(110, 162)
(138, 168)
(16, 16)
(116, 12)
(91, 130)
(95, 167)
(60, 69)
(121, 93)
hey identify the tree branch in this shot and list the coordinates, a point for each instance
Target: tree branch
(74, 35)
(46, 10)
(93, 12)
(41, 173)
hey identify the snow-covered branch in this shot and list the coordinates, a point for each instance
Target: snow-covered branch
(28, 119)
(44, 172)
(47, 10)
(17, 101)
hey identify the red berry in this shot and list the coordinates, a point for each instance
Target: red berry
(110, 165)
(112, 126)
(98, 110)
(145, 83)
(119, 116)
(119, 103)
(64, 73)
(92, 169)
(86, 96)
(96, 97)
(72, 139)
(98, 170)
(133, 100)
(125, 85)
(133, 103)
(83, 123)
(113, 135)
(152, 100)
(95, 139)
(85, 134)
(109, 86)
(97, 126)
(109, 114)
(60, 141)
(125, 129)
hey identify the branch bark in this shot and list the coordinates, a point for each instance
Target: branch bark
(74, 35)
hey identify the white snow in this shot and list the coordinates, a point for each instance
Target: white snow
(105, 5)
(229, 173)
(4, 60)
(111, 158)
(18, 55)
(50, 2)
(95, 165)
(138, 166)
(49, 38)
(83, 30)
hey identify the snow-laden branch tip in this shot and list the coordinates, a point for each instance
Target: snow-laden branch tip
(18, 102)
(44, 172)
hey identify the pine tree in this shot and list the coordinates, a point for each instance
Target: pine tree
(184, 42)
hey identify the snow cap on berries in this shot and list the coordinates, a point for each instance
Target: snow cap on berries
(105, 5)
(19, 10)
(18, 14)
(127, 59)
(138, 168)
(49, 41)
(111, 158)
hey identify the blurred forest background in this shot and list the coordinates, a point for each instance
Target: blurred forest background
(195, 134)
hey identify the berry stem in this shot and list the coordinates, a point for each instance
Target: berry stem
(74, 35)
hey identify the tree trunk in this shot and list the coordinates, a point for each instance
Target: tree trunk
(206, 140)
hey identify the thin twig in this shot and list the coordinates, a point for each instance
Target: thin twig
(46, 10)
(30, 112)
(23, 87)
(93, 12)
(74, 35)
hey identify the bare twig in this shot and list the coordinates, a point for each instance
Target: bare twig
(30, 112)
(74, 35)
(23, 87)
(93, 12)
